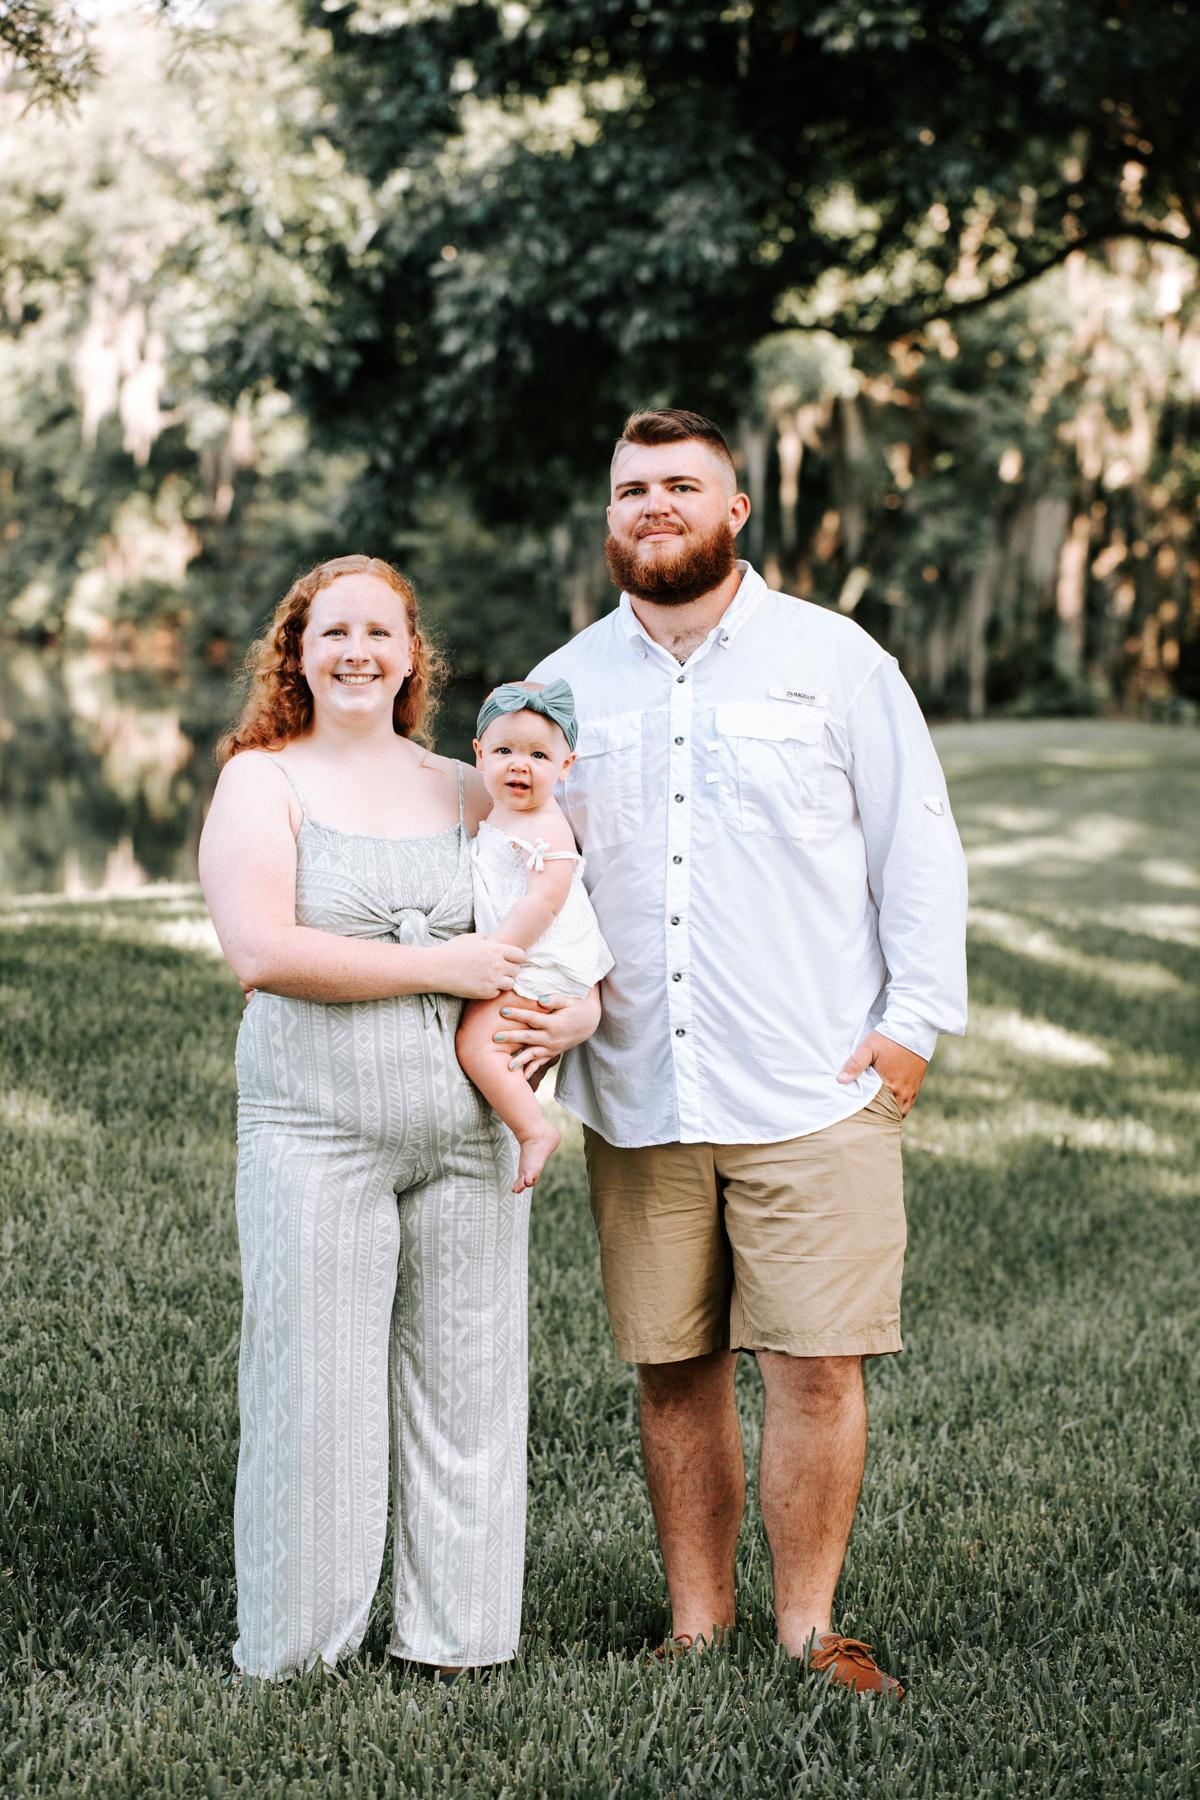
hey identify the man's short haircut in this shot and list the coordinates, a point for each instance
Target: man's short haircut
(674, 425)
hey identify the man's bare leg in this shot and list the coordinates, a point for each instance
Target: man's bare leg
(813, 1449)
(692, 1446)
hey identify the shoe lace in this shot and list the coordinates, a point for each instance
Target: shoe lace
(843, 1649)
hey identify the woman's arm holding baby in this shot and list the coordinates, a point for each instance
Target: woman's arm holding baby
(248, 873)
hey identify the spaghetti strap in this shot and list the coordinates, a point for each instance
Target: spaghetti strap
(462, 779)
(292, 783)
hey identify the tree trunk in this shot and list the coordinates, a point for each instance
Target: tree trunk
(979, 611)
(1069, 598)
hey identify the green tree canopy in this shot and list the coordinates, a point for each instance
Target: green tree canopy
(582, 205)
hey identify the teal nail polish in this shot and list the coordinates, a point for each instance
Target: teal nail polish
(504, 1013)
(543, 999)
(499, 1037)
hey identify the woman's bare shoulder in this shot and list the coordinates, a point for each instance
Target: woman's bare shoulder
(477, 802)
(255, 783)
(254, 771)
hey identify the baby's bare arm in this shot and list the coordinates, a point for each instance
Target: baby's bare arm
(546, 889)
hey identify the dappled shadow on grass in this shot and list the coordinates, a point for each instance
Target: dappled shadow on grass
(1120, 1021)
(119, 1335)
(1025, 1543)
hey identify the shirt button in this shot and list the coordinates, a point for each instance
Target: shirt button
(674, 918)
(679, 1031)
(680, 678)
(679, 740)
(677, 859)
(679, 796)
(677, 976)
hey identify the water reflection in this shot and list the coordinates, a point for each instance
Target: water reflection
(105, 770)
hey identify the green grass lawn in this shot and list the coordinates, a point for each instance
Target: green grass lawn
(1025, 1554)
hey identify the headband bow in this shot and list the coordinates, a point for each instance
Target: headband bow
(555, 702)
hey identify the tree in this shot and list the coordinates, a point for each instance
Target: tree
(583, 205)
(47, 48)
(155, 237)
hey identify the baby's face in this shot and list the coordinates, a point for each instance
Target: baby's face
(522, 756)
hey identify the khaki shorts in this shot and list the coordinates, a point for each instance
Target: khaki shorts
(796, 1246)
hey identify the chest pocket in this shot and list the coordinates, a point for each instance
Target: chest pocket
(603, 792)
(772, 769)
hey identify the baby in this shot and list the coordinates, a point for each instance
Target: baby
(528, 881)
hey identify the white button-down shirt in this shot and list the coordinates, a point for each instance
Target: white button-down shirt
(770, 849)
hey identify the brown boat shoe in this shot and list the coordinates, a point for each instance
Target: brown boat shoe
(849, 1663)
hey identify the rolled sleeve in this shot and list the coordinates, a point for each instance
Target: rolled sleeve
(915, 862)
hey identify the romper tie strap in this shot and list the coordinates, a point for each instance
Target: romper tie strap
(540, 854)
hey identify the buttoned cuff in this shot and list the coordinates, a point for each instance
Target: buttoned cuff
(910, 1034)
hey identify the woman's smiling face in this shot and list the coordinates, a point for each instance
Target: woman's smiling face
(355, 651)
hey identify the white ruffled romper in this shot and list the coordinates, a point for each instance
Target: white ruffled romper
(568, 958)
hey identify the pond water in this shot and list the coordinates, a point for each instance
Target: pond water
(106, 767)
(105, 770)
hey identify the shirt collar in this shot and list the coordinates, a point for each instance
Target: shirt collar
(742, 608)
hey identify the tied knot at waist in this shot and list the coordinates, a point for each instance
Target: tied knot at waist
(415, 928)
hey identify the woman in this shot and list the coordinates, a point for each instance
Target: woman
(383, 1253)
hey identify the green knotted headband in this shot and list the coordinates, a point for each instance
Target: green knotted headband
(555, 702)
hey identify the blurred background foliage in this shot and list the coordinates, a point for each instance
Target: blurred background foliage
(282, 278)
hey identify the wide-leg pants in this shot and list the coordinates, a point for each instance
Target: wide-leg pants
(380, 1310)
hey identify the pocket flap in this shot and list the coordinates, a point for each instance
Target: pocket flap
(617, 732)
(777, 723)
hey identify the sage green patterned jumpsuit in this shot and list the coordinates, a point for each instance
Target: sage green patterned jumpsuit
(384, 1272)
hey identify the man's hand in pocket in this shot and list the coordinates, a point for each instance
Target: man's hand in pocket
(902, 1069)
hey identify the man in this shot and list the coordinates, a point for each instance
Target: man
(772, 857)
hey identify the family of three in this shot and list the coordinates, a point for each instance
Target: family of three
(745, 980)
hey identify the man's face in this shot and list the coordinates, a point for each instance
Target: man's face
(672, 521)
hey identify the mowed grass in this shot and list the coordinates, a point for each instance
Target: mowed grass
(1025, 1553)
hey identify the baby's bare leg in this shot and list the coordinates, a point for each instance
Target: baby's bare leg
(505, 1089)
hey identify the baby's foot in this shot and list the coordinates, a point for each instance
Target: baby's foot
(535, 1149)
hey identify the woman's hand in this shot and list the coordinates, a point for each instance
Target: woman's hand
(476, 967)
(543, 1031)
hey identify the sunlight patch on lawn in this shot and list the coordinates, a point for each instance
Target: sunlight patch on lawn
(1118, 758)
(1095, 838)
(170, 913)
(976, 1139)
(1185, 1100)
(1166, 873)
(1016, 818)
(1125, 1133)
(183, 934)
(1017, 934)
(155, 896)
(1037, 1038)
(39, 1117)
(1170, 924)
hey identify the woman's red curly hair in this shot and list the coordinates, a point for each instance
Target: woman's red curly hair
(279, 704)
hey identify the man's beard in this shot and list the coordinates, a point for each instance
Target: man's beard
(700, 565)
